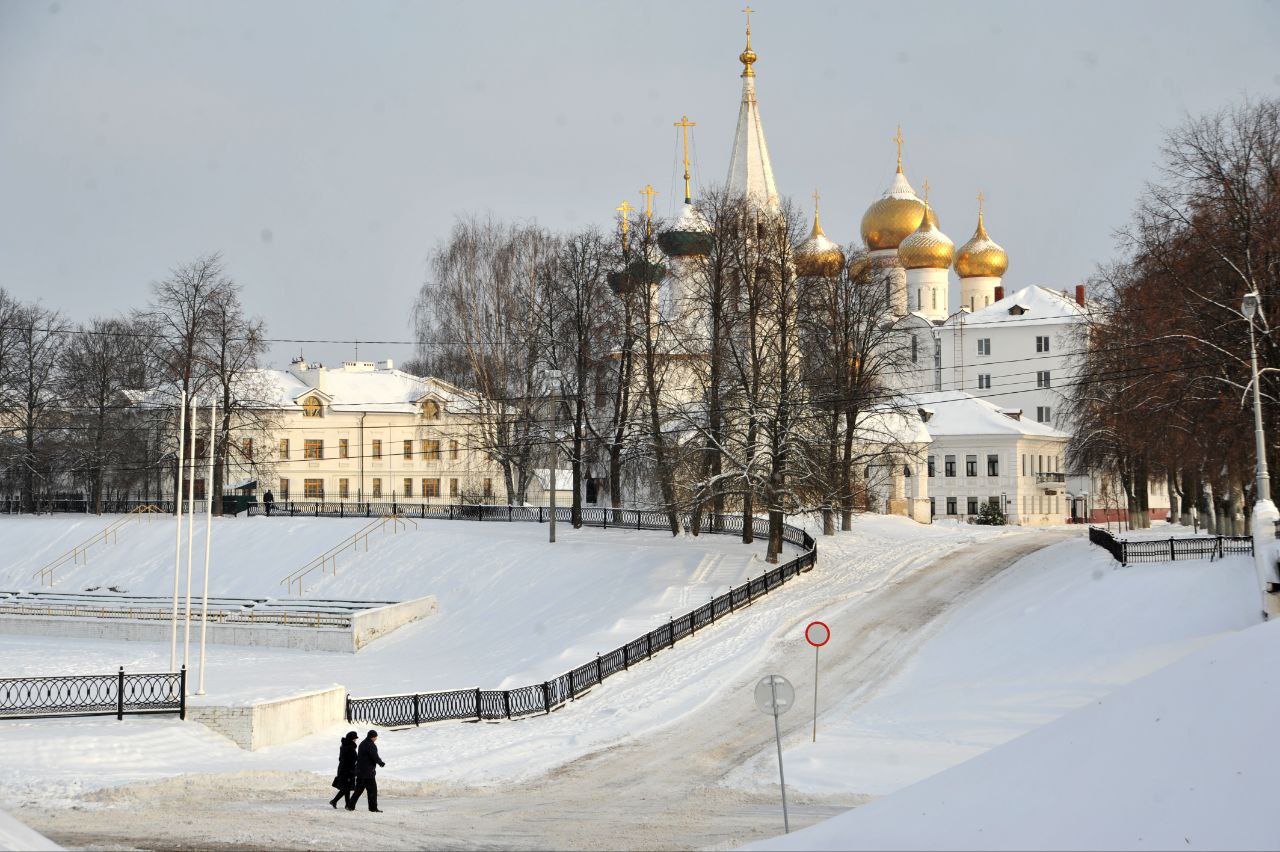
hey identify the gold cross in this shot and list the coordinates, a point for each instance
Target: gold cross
(981, 198)
(625, 209)
(897, 137)
(684, 124)
(816, 198)
(926, 192)
(748, 10)
(648, 192)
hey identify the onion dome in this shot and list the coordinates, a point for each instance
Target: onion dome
(646, 268)
(690, 236)
(928, 247)
(893, 217)
(981, 257)
(818, 256)
(859, 265)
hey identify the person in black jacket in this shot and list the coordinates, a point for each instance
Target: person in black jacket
(346, 777)
(367, 763)
(268, 500)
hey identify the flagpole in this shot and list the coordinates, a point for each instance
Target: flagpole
(191, 521)
(208, 541)
(177, 540)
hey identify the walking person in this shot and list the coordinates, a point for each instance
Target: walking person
(367, 763)
(346, 777)
(268, 500)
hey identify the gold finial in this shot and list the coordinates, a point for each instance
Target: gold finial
(748, 56)
(684, 124)
(648, 192)
(925, 185)
(897, 137)
(624, 209)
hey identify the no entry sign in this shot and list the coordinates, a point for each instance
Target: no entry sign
(817, 634)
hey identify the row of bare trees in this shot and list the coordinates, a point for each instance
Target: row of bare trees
(1164, 392)
(87, 409)
(714, 381)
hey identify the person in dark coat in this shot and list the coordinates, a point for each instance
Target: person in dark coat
(268, 500)
(367, 763)
(346, 777)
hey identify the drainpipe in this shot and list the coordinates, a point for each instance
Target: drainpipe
(360, 496)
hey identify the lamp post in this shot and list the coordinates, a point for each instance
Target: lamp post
(1262, 486)
(553, 376)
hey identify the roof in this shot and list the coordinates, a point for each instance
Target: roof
(750, 170)
(959, 413)
(1034, 305)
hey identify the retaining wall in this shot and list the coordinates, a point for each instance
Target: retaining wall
(260, 724)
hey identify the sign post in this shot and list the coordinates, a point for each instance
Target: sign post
(816, 634)
(774, 696)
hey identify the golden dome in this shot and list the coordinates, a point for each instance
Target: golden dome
(859, 265)
(928, 247)
(818, 256)
(981, 257)
(893, 217)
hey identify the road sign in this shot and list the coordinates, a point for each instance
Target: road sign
(775, 695)
(817, 634)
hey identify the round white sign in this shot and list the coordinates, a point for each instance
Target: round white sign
(775, 695)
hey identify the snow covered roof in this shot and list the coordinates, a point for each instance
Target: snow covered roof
(959, 413)
(750, 170)
(893, 427)
(1034, 305)
(564, 478)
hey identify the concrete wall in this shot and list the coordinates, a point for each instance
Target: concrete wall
(370, 624)
(365, 627)
(268, 723)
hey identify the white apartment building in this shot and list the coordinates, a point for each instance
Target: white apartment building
(981, 453)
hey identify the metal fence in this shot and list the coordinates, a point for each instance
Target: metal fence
(118, 695)
(490, 704)
(80, 505)
(1126, 551)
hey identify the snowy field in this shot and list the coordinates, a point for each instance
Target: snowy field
(1063, 627)
(513, 609)
(73, 756)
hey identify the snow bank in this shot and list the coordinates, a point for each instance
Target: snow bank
(1181, 759)
(16, 836)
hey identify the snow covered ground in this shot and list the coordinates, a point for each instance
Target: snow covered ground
(1181, 759)
(1063, 627)
(75, 756)
(16, 836)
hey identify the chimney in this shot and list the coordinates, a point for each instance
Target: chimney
(390, 365)
(1080, 295)
(999, 292)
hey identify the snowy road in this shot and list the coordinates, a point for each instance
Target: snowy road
(661, 790)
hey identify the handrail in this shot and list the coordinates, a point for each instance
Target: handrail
(112, 531)
(320, 562)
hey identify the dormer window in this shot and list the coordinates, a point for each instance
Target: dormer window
(1017, 310)
(311, 407)
(430, 409)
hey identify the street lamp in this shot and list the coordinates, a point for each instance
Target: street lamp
(1262, 487)
(553, 377)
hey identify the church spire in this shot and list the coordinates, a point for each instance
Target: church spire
(750, 171)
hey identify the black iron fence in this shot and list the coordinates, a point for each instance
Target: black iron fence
(490, 704)
(79, 505)
(1126, 551)
(118, 695)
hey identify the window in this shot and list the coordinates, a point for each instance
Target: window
(344, 448)
(246, 448)
(344, 488)
(1042, 344)
(376, 451)
(430, 488)
(919, 299)
(313, 448)
(408, 449)
(993, 465)
(949, 469)
(1024, 464)
(984, 381)
(453, 450)
(377, 486)
(284, 489)
(431, 450)
(284, 448)
(933, 507)
(1042, 378)
(972, 507)
(984, 345)
(311, 407)
(198, 489)
(935, 300)
(970, 465)
(933, 461)
(1042, 414)
(915, 349)
(313, 489)
(488, 487)
(994, 502)
(430, 409)
(202, 448)
(951, 505)
(408, 487)
(453, 488)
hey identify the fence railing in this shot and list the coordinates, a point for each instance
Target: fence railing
(1126, 551)
(489, 704)
(118, 695)
(330, 556)
(80, 505)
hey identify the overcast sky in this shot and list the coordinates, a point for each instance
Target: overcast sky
(325, 147)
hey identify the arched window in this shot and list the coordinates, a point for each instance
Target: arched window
(311, 407)
(430, 409)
